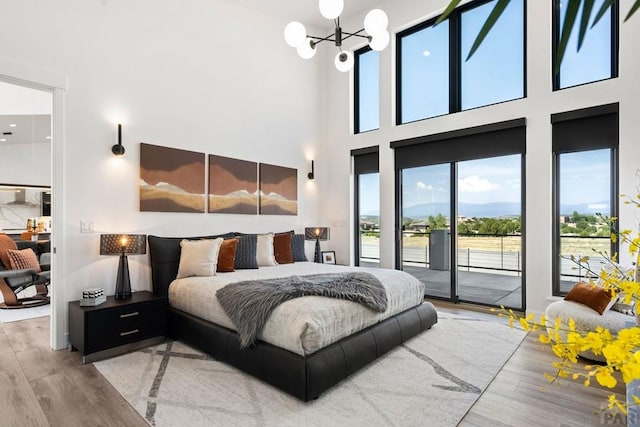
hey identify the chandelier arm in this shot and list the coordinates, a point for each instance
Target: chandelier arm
(317, 40)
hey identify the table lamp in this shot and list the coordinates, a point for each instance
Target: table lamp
(317, 234)
(123, 245)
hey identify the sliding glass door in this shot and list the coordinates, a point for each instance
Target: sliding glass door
(426, 227)
(489, 231)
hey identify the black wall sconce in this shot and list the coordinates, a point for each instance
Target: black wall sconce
(118, 149)
(311, 174)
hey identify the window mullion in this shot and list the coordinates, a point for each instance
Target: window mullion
(455, 66)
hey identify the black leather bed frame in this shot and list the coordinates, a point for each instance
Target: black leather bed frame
(304, 377)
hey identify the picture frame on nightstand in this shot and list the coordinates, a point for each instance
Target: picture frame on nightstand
(328, 257)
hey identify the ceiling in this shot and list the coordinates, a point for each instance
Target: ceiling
(25, 129)
(306, 11)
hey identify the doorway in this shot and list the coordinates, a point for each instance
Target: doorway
(55, 84)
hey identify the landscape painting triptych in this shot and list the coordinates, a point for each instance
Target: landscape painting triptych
(173, 180)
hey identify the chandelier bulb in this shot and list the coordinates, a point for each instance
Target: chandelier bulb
(331, 9)
(295, 34)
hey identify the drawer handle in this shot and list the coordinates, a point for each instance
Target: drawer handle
(124, 334)
(135, 313)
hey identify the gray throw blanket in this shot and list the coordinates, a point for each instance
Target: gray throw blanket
(249, 303)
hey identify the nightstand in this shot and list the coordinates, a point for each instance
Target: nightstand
(117, 326)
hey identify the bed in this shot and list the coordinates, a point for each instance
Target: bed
(306, 357)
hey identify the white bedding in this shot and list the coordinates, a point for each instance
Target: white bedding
(301, 325)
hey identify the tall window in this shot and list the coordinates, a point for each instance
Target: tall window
(367, 90)
(435, 75)
(424, 72)
(367, 206)
(585, 191)
(598, 56)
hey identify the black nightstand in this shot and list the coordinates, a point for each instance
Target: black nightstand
(117, 326)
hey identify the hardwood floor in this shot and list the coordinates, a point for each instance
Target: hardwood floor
(41, 387)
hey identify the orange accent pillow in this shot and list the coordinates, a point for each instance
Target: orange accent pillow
(282, 247)
(594, 297)
(24, 258)
(227, 255)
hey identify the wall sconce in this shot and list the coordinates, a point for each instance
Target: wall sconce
(118, 149)
(311, 174)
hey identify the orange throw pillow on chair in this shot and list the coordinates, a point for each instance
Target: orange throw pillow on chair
(21, 259)
(594, 297)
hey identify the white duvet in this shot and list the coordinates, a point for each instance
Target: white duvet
(301, 325)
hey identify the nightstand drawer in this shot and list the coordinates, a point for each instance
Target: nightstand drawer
(127, 314)
(126, 333)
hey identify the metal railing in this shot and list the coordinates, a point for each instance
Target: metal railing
(491, 251)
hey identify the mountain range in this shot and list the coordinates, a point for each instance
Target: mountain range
(489, 210)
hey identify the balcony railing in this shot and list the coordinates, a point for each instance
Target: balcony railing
(489, 251)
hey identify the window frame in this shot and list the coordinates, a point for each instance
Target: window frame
(362, 159)
(455, 60)
(573, 147)
(555, 39)
(356, 90)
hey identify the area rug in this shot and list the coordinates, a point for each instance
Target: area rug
(431, 380)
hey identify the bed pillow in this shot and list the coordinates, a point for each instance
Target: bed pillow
(297, 248)
(227, 255)
(198, 257)
(246, 251)
(264, 252)
(21, 259)
(282, 247)
(594, 297)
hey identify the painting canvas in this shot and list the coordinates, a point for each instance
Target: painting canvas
(171, 180)
(233, 186)
(278, 190)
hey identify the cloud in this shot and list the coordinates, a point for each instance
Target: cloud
(422, 186)
(475, 184)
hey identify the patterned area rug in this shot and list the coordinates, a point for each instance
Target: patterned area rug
(433, 379)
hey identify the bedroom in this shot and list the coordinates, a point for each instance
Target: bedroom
(217, 77)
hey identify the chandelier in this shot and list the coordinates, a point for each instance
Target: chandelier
(375, 25)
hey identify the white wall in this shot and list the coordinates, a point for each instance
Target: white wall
(203, 75)
(537, 107)
(27, 164)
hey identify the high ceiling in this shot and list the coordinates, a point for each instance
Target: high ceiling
(306, 11)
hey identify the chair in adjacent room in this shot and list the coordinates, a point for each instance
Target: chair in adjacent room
(19, 270)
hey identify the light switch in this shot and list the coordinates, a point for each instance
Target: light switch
(87, 226)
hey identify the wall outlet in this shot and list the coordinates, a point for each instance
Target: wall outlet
(87, 226)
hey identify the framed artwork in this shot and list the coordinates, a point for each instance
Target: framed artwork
(233, 186)
(328, 257)
(171, 180)
(278, 190)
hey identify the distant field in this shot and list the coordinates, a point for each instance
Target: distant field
(576, 246)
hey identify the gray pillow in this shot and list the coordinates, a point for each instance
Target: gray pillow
(297, 248)
(246, 252)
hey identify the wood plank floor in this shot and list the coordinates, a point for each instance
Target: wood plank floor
(41, 387)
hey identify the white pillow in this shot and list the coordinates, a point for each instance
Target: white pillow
(265, 254)
(199, 257)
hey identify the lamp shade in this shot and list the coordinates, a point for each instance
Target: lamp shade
(305, 51)
(331, 9)
(344, 61)
(316, 233)
(113, 244)
(376, 22)
(295, 34)
(379, 41)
